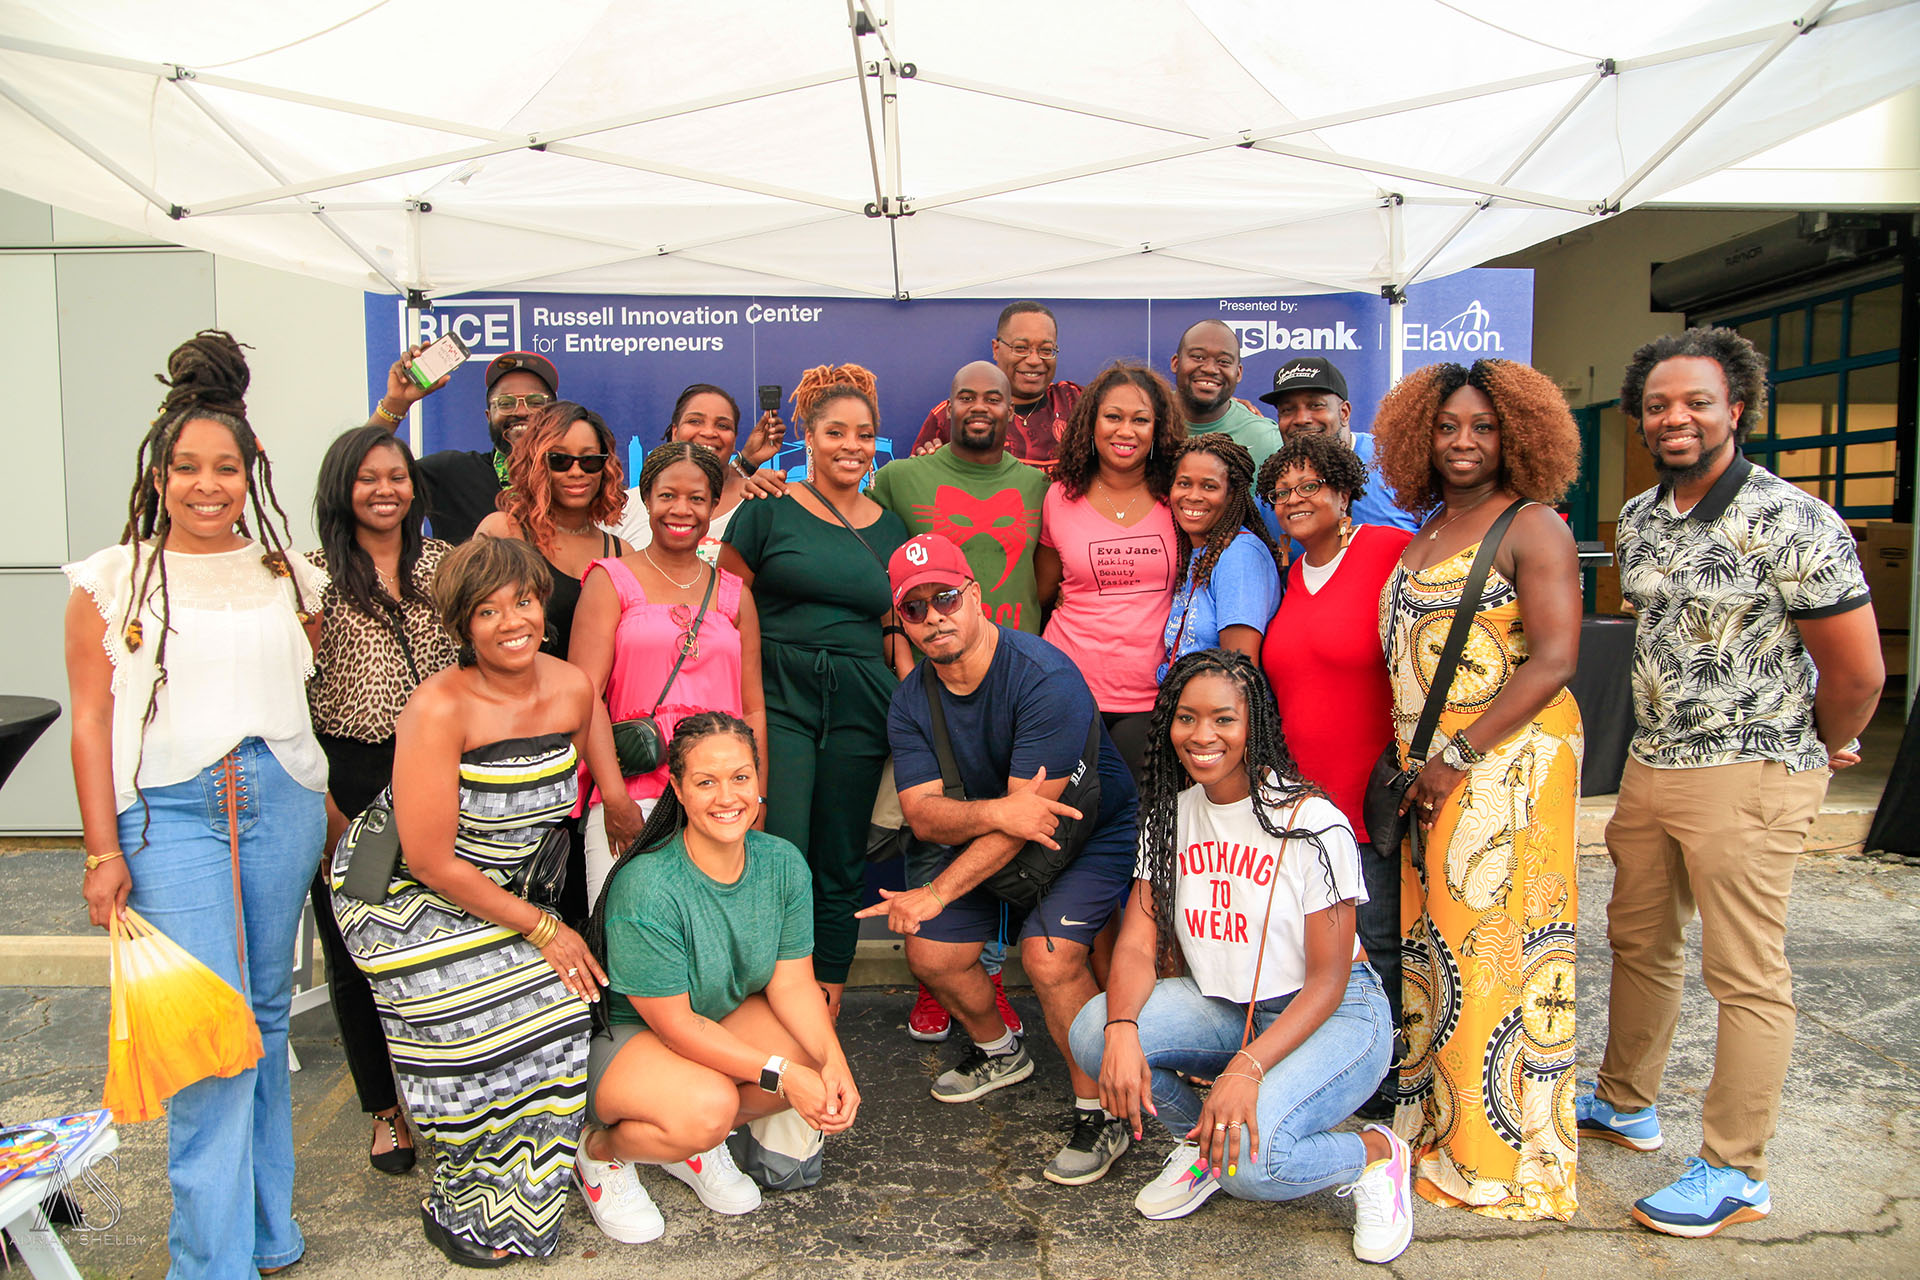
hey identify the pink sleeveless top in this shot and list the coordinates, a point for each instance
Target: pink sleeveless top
(645, 644)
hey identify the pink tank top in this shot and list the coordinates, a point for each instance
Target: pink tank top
(645, 644)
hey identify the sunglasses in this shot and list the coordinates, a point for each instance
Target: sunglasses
(1306, 489)
(537, 400)
(944, 602)
(591, 463)
(682, 616)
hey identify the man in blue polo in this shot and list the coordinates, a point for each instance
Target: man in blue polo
(1019, 719)
(1310, 398)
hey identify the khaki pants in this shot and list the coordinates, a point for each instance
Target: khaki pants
(1723, 839)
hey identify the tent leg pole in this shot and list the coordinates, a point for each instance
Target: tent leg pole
(1396, 339)
(416, 417)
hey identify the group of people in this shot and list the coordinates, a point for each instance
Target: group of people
(1130, 658)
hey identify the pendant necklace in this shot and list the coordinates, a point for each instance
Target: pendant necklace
(1456, 515)
(684, 586)
(1119, 514)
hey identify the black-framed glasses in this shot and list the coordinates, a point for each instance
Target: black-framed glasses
(538, 400)
(1306, 489)
(943, 602)
(560, 462)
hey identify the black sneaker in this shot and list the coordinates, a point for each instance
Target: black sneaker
(1098, 1139)
(978, 1073)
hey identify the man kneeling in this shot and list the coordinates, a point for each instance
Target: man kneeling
(705, 930)
(1015, 720)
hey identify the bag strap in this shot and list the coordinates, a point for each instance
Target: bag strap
(1457, 634)
(1260, 954)
(693, 636)
(950, 783)
(808, 484)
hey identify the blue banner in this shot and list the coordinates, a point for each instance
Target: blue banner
(628, 357)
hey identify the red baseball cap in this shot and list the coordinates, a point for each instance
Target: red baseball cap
(927, 558)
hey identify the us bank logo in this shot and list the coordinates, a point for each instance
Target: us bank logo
(489, 326)
(1277, 335)
(1471, 332)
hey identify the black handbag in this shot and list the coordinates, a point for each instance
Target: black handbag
(1027, 876)
(640, 744)
(1387, 786)
(543, 876)
(372, 845)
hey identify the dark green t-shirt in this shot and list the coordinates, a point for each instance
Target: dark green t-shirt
(814, 585)
(674, 930)
(991, 512)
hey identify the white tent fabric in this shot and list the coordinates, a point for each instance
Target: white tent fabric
(1094, 148)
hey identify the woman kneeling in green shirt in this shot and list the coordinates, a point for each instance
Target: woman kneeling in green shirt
(705, 930)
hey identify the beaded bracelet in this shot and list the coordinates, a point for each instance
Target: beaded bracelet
(381, 410)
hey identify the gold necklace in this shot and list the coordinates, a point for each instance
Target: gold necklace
(684, 586)
(1456, 515)
(1119, 516)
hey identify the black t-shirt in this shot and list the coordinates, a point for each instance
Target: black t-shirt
(461, 491)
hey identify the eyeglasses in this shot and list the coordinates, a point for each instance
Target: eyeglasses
(538, 400)
(682, 615)
(1306, 489)
(592, 464)
(944, 602)
(1045, 350)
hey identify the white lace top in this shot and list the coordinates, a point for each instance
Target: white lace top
(237, 663)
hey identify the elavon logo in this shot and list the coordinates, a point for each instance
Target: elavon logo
(1471, 332)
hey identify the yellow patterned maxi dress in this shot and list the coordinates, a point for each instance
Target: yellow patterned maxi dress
(1487, 923)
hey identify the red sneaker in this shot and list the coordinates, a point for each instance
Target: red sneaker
(1005, 1006)
(929, 1021)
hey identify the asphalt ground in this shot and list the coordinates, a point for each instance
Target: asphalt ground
(929, 1190)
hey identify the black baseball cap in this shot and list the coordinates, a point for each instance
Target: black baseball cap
(1308, 373)
(537, 365)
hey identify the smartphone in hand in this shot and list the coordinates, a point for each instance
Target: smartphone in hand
(440, 358)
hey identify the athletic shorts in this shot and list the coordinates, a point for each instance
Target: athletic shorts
(1076, 907)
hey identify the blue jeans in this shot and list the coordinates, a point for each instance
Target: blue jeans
(230, 1141)
(1304, 1095)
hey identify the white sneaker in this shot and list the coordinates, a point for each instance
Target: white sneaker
(1382, 1204)
(717, 1181)
(1184, 1184)
(620, 1206)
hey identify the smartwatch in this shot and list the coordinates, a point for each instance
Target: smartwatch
(771, 1073)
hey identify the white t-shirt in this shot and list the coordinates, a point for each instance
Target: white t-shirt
(1226, 864)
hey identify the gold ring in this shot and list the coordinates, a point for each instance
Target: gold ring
(1217, 1128)
(573, 973)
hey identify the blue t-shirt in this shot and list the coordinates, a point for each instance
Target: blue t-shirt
(1375, 505)
(1031, 711)
(1243, 591)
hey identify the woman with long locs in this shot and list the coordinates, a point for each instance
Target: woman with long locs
(201, 785)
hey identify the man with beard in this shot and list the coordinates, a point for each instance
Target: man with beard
(1026, 347)
(1310, 396)
(1206, 369)
(975, 493)
(463, 484)
(1756, 663)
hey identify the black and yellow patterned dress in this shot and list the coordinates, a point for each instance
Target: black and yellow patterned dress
(489, 1045)
(1487, 924)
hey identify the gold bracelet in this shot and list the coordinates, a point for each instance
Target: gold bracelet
(96, 860)
(543, 932)
(381, 410)
(1242, 1053)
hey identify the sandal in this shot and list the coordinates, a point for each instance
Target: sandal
(460, 1250)
(396, 1159)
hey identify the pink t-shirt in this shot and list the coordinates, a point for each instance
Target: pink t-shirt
(1115, 588)
(645, 644)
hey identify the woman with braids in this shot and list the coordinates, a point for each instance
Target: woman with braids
(1229, 581)
(382, 638)
(1107, 545)
(201, 786)
(565, 484)
(1488, 910)
(706, 415)
(714, 1016)
(636, 628)
(483, 994)
(1278, 1003)
(830, 649)
(1323, 659)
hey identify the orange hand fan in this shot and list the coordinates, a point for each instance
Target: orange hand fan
(174, 1022)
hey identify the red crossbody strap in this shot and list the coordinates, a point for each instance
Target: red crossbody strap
(1260, 954)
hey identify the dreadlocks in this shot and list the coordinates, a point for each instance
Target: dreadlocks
(1239, 513)
(664, 823)
(1271, 772)
(206, 380)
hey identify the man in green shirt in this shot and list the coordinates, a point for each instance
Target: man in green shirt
(1206, 369)
(974, 492)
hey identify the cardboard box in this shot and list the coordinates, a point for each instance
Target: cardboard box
(1886, 554)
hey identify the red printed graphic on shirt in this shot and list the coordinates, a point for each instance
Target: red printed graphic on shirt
(961, 517)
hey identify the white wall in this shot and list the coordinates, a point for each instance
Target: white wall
(91, 313)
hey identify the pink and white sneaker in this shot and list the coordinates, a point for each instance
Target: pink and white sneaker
(1382, 1203)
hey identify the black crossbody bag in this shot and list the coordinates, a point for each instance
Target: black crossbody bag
(1387, 786)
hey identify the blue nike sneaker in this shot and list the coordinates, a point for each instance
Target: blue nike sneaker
(1636, 1130)
(1703, 1200)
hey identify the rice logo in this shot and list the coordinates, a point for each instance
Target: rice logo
(1274, 335)
(1471, 332)
(916, 553)
(488, 326)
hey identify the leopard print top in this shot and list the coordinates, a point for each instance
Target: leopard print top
(362, 682)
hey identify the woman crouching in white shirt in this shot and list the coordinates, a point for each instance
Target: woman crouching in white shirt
(1254, 891)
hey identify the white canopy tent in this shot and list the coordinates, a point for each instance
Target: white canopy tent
(908, 148)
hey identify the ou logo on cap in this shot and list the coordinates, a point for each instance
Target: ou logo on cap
(917, 552)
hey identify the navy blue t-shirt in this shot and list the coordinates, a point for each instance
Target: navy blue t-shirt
(1032, 711)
